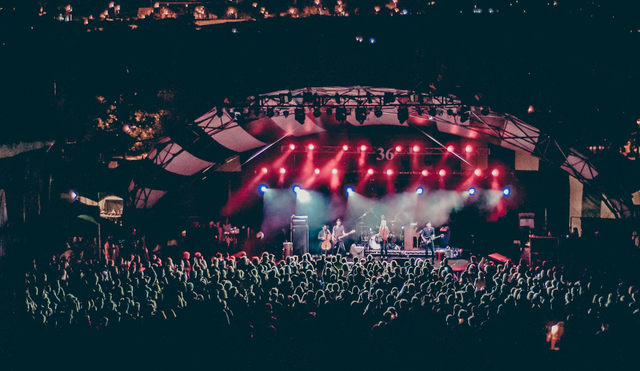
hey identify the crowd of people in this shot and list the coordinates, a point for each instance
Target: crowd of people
(245, 312)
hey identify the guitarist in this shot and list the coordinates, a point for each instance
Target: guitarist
(338, 231)
(427, 234)
(383, 232)
(325, 237)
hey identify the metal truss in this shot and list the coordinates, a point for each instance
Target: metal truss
(356, 150)
(357, 97)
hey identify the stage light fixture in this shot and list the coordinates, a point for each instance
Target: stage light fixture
(450, 112)
(361, 114)
(300, 116)
(450, 148)
(506, 191)
(349, 190)
(345, 147)
(292, 146)
(477, 172)
(337, 98)
(433, 112)
(472, 191)
(419, 191)
(73, 194)
(311, 147)
(341, 114)
(363, 148)
(442, 172)
(378, 112)
(424, 173)
(270, 112)
(334, 171)
(468, 149)
(285, 98)
(464, 116)
(398, 148)
(389, 97)
(283, 170)
(285, 114)
(419, 111)
(403, 114)
(495, 172)
(416, 149)
(303, 196)
(316, 112)
(265, 170)
(219, 112)
(329, 111)
(263, 188)
(296, 189)
(317, 171)
(370, 171)
(485, 111)
(389, 172)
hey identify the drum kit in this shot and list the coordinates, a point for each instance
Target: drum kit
(373, 240)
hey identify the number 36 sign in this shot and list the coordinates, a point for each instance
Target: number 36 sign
(382, 154)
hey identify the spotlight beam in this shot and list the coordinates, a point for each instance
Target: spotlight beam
(440, 144)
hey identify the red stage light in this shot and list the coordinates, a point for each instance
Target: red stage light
(442, 172)
(416, 148)
(345, 147)
(334, 171)
(311, 147)
(389, 172)
(370, 171)
(283, 170)
(363, 148)
(477, 172)
(292, 146)
(450, 148)
(495, 172)
(265, 170)
(425, 173)
(398, 148)
(468, 149)
(317, 171)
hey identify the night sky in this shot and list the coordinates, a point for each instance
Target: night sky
(580, 73)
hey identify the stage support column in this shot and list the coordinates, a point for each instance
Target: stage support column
(575, 204)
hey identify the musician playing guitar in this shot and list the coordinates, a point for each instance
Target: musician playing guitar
(383, 233)
(338, 235)
(325, 237)
(427, 235)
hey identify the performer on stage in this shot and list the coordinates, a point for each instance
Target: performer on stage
(426, 234)
(325, 239)
(338, 231)
(383, 233)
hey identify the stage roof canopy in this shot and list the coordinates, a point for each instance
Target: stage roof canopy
(232, 128)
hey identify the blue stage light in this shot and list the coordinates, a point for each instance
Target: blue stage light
(472, 191)
(263, 188)
(74, 195)
(506, 191)
(349, 190)
(420, 190)
(296, 189)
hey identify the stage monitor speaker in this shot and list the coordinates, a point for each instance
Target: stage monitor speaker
(300, 234)
(411, 237)
(543, 244)
(542, 249)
